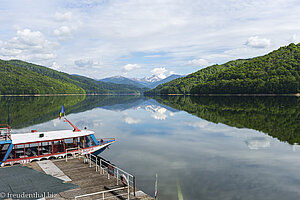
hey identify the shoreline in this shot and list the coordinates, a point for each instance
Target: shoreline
(131, 94)
(47, 95)
(250, 95)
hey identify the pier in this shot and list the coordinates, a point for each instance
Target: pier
(85, 179)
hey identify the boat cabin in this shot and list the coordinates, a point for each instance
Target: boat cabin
(33, 146)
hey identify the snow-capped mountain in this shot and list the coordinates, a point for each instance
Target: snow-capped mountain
(149, 82)
(154, 78)
(123, 80)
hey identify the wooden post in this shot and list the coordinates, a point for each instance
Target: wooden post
(96, 163)
(134, 185)
(117, 177)
(100, 167)
(90, 160)
(128, 185)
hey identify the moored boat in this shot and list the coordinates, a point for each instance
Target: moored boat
(34, 146)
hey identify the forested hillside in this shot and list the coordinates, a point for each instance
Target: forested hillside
(275, 73)
(16, 80)
(21, 77)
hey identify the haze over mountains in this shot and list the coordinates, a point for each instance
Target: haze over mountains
(146, 82)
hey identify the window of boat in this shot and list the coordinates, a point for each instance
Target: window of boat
(12, 154)
(70, 143)
(27, 150)
(45, 148)
(58, 146)
(31, 150)
(89, 141)
(19, 151)
(81, 142)
(3, 150)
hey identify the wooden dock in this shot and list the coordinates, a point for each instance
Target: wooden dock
(89, 181)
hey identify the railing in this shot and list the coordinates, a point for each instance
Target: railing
(5, 132)
(103, 141)
(73, 152)
(102, 193)
(79, 151)
(102, 165)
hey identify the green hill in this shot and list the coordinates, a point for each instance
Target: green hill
(275, 73)
(16, 80)
(26, 78)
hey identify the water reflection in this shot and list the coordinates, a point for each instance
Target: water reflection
(257, 143)
(204, 148)
(276, 116)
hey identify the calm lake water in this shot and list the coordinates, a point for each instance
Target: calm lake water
(201, 148)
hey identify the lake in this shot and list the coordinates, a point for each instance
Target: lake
(200, 147)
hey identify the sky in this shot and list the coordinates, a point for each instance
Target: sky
(138, 38)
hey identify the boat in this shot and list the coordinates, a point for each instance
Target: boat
(35, 146)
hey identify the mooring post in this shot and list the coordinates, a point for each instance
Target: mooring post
(117, 177)
(90, 160)
(128, 185)
(100, 167)
(134, 185)
(96, 163)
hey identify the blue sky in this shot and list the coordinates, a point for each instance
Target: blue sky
(136, 38)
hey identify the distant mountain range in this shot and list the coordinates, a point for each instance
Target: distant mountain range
(146, 82)
(123, 80)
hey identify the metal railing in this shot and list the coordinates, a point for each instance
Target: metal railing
(5, 132)
(79, 151)
(102, 193)
(103, 141)
(73, 151)
(102, 165)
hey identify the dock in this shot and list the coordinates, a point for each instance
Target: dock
(85, 180)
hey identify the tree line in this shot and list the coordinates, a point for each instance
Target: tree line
(275, 73)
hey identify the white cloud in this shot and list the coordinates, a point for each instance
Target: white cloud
(61, 17)
(172, 114)
(159, 72)
(257, 143)
(169, 32)
(198, 62)
(55, 66)
(256, 42)
(171, 72)
(295, 39)
(84, 63)
(63, 31)
(130, 120)
(159, 116)
(28, 45)
(197, 124)
(158, 112)
(130, 67)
